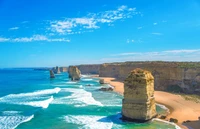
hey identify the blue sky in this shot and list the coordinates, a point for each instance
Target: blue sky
(38, 33)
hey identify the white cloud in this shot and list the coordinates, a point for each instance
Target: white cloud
(34, 38)
(92, 20)
(156, 33)
(14, 28)
(169, 55)
(155, 23)
(183, 51)
(4, 39)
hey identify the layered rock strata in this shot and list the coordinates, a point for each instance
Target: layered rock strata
(74, 73)
(139, 102)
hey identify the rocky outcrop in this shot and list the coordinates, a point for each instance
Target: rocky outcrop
(56, 70)
(51, 74)
(63, 69)
(89, 69)
(106, 89)
(139, 102)
(74, 73)
(169, 76)
(102, 81)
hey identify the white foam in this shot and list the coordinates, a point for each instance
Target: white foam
(86, 79)
(90, 122)
(84, 75)
(36, 93)
(163, 107)
(10, 112)
(37, 99)
(70, 82)
(43, 104)
(79, 98)
(11, 122)
(167, 122)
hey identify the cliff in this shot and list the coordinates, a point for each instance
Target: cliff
(169, 76)
(139, 102)
(89, 69)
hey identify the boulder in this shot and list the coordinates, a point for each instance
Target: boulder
(74, 73)
(139, 102)
(101, 81)
(106, 89)
(162, 117)
(173, 120)
(51, 74)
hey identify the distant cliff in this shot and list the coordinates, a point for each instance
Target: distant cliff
(89, 69)
(169, 76)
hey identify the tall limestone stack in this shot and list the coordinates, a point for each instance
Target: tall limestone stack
(139, 102)
(51, 74)
(57, 70)
(74, 73)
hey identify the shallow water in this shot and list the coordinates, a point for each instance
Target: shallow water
(29, 100)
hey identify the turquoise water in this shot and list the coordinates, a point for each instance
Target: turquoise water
(30, 100)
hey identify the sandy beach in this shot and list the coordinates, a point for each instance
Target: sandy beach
(180, 109)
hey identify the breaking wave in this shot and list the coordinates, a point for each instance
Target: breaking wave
(90, 122)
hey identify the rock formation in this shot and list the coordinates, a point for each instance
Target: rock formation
(106, 89)
(74, 73)
(63, 69)
(56, 70)
(139, 103)
(169, 76)
(101, 81)
(51, 74)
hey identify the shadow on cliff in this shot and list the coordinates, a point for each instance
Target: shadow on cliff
(192, 124)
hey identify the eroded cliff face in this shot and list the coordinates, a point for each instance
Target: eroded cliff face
(139, 102)
(169, 76)
(89, 69)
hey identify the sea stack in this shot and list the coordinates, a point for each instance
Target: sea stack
(139, 102)
(57, 70)
(74, 73)
(51, 74)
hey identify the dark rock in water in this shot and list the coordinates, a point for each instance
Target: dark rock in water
(139, 102)
(74, 73)
(106, 89)
(173, 120)
(88, 85)
(101, 81)
(51, 74)
(162, 117)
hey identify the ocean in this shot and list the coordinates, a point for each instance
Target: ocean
(29, 99)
